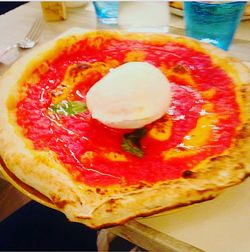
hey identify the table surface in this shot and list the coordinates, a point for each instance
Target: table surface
(218, 225)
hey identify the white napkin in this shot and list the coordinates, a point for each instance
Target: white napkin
(10, 56)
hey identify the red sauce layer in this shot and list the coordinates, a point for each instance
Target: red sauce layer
(70, 137)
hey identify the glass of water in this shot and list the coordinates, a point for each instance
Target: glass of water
(144, 16)
(213, 22)
(106, 12)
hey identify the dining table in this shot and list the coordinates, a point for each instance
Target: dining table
(221, 224)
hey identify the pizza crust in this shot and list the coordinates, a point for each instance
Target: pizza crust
(44, 175)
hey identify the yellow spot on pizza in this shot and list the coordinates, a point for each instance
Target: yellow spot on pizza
(200, 135)
(87, 156)
(112, 63)
(170, 73)
(176, 153)
(208, 94)
(197, 137)
(208, 107)
(33, 79)
(135, 56)
(115, 156)
(96, 41)
(43, 68)
(75, 74)
(161, 131)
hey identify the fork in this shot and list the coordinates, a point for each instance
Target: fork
(29, 41)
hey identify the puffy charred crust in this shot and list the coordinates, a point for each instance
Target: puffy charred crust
(244, 132)
(59, 203)
(188, 174)
(39, 175)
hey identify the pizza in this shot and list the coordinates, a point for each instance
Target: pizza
(53, 150)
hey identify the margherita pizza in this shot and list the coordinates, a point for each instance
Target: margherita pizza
(57, 153)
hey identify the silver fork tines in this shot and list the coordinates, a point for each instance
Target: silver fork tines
(29, 41)
(33, 35)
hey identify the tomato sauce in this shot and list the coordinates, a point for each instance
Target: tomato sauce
(92, 152)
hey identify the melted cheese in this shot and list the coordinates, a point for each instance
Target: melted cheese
(130, 96)
(162, 130)
(115, 156)
(196, 138)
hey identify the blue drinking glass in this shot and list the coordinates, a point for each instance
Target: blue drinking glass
(214, 23)
(107, 11)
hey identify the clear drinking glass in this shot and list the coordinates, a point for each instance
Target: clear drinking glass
(213, 22)
(144, 16)
(107, 11)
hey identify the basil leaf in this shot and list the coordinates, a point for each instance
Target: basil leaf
(128, 146)
(131, 142)
(69, 107)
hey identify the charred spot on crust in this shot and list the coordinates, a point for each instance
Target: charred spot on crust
(240, 166)
(101, 191)
(219, 158)
(141, 185)
(59, 203)
(188, 174)
(243, 93)
(111, 201)
(111, 205)
(244, 132)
